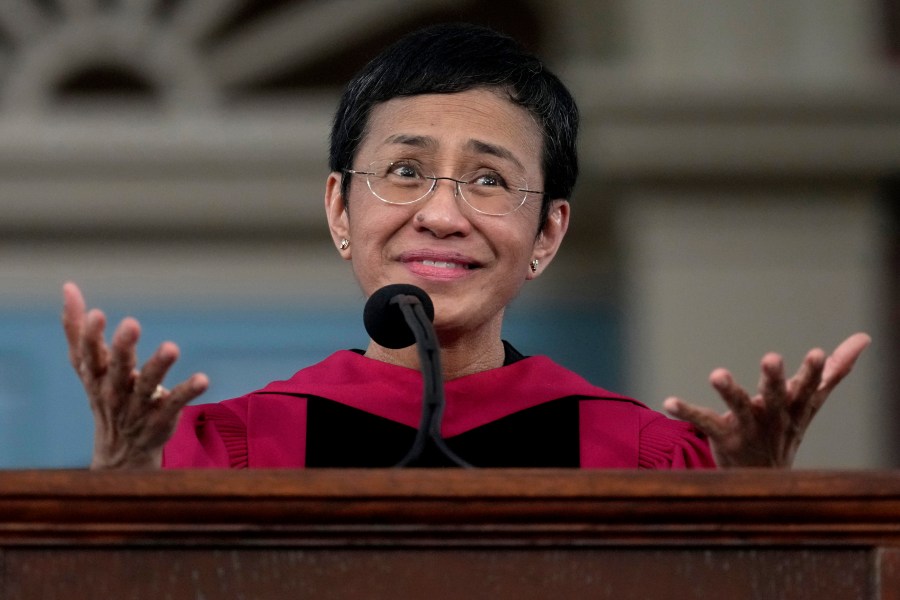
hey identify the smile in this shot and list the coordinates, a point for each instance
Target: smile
(439, 265)
(444, 264)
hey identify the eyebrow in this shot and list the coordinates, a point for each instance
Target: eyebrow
(494, 150)
(477, 146)
(420, 141)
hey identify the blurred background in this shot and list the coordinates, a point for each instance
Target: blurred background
(741, 177)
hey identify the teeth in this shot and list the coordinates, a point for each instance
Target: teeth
(442, 264)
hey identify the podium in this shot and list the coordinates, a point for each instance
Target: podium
(450, 533)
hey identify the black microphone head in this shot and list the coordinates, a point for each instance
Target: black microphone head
(384, 320)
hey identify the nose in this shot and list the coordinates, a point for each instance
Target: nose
(441, 213)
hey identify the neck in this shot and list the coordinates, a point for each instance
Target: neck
(460, 356)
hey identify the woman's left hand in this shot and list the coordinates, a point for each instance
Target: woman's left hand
(766, 430)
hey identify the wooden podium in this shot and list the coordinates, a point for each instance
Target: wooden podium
(451, 533)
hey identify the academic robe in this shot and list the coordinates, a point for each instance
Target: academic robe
(352, 411)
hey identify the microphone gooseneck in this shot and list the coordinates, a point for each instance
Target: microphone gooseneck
(396, 316)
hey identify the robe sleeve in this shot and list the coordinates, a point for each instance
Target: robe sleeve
(209, 436)
(617, 434)
(669, 444)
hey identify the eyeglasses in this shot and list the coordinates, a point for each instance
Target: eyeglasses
(406, 181)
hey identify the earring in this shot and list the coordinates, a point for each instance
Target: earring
(345, 243)
(534, 265)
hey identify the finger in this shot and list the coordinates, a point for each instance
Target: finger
(155, 369)
(94, 354)
(841, 361)
(73, 320)
(123, 355)
(707, 420)
(772, 386)
(806, 381)
(184, 392)
(732, 394)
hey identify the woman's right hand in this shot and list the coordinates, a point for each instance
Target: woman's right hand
(134, 416)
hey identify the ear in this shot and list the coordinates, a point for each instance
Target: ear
(336, 212)
(550, 237)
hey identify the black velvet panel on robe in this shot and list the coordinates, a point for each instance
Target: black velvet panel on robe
(542, 436)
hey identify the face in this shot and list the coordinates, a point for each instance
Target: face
(471, 264)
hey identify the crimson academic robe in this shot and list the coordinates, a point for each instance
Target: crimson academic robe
(352, 411)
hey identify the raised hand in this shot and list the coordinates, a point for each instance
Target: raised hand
(134, 415)
(766, 430)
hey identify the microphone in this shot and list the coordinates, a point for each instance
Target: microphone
(384, 318)
(396, 316)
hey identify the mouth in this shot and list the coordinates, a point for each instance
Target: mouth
(439, 265)
(445, 264)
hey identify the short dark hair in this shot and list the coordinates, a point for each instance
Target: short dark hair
(455, 57)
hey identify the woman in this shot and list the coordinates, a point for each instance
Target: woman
(452, 164)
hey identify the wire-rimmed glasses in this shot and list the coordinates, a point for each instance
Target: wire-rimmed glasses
(405, 181)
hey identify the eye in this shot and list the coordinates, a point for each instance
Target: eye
(405, 170)
(486, 179)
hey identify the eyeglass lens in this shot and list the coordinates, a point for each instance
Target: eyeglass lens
(405, 182)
